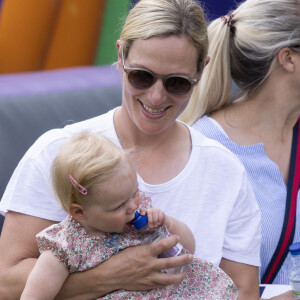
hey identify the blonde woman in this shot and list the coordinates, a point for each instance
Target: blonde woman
(258, 45)
(99, 225)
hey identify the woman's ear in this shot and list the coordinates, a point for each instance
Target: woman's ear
(207, 60)
(286, 59)
(118, 44)
(202, 66)
(76, 211)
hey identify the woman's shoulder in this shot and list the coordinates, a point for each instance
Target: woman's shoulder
(208, 126)
(203, 134)
(48, 144)
(210, 148)
(100, 123)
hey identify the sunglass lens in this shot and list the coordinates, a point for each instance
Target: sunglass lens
(140, 79)
(177, 85)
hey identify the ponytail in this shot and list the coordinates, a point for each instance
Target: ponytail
(213, 90)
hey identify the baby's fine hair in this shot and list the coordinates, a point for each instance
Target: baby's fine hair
(90, 159)
(164, 18)
(245, 52)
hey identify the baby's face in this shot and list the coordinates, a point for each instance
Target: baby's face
(115, 202)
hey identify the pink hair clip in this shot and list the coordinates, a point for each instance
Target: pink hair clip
(81, 189)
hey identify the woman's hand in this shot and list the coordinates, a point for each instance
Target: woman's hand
(134, 268)
(138, 268)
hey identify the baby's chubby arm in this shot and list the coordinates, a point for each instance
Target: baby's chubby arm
(45, 279)
(157, 217)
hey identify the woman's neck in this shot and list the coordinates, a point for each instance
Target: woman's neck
(273, 107)
(131, 137)
(156, 157)
(268, 118)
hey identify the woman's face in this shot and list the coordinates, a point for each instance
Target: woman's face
(154, 110)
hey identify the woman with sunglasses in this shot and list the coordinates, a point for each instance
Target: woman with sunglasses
(261, 40)
(161, 54)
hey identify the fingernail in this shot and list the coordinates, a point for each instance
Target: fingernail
(191, 257)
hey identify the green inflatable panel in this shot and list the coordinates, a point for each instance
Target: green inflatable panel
(113, 20)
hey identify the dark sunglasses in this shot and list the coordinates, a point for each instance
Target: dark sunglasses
(142, 79)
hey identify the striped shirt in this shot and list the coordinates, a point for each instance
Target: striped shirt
(269, 188)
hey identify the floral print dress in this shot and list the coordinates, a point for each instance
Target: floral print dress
(80, 251)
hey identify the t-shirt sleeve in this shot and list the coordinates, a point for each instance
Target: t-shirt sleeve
(243, 231)
(29, 190)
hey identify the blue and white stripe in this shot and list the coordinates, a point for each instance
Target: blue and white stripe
(268, 186)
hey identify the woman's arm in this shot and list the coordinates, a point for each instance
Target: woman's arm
(135, 268)
(18, 252)
(245, 278)
(46, 278)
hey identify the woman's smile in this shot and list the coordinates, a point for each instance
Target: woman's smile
(153, 112)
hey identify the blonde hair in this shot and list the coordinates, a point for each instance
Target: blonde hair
(90, 159)
(246, 52)
(164, 18)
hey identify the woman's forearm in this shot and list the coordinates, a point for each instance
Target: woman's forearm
(13, 279)
(135, 268)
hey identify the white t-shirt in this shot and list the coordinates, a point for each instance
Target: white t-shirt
(212, 194)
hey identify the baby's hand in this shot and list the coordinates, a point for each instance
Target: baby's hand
(156, 217)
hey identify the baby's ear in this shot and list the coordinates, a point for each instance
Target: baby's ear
(76, 211)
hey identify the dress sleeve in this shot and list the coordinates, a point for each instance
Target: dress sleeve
(146, 201)
(54, 239)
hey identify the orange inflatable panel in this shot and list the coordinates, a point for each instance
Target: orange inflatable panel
(25, 30)
(76, 34)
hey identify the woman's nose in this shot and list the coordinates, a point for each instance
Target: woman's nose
(157, 92)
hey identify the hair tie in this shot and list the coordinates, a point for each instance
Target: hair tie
(228, 19)
(81, 189)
